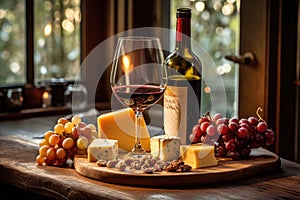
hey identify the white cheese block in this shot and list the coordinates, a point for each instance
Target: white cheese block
(165, 147)
(102, 149)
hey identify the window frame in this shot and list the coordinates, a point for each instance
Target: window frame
(29, 41)
(30, 82)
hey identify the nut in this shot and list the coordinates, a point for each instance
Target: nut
(175, 165)
(152, 161)
(145, 166)
(101, 163)
(111, 163)
(136, 165)
(172, 168)
(149, 170)
(121, 166)
(185, 168)
(128, 161)
(158, 167)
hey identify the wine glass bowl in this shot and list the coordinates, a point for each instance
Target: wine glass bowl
(138, 77)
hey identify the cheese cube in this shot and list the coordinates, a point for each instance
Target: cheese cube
(102, 149)
(197, 156)
(120, 125)
(165, 147)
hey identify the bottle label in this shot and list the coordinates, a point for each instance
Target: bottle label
(175, 112)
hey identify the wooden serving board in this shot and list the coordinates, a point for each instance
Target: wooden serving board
(260, 161)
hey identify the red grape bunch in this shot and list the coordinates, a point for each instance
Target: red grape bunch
(232, 137)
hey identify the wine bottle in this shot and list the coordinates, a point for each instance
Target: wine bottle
(183, 95)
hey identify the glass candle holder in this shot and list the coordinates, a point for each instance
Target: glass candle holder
(76, 96)
(15, 99)
(47, 99)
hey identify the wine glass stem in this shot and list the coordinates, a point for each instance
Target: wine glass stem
(138, 118)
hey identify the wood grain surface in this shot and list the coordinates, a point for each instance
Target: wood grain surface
(260, 161)
(18, 169)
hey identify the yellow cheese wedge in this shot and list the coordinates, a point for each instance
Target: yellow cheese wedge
(120, 125)
(197, 156)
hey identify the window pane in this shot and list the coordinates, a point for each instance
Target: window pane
(56, 39)
(215, 26)
(12, 41)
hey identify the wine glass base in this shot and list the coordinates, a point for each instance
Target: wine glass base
(137, 152)
(137, 155)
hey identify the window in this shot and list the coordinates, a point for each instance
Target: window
(56, 39)
(215, 26)
(12, 42)
(55, 44)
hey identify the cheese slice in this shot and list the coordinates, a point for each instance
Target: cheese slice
(165, 147)
(120, 125)
(197, 156)
(102, 149)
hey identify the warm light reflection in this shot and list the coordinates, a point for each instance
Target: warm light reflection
(66, 2)
(48, 6)
(200, 6)
(228, 9)
(57, 15)
(225, 68)
(217, 5)
(127, 66)
(47, 98)
(43, 70)
(76, 2)
(68, 26)
(77, 16)
(207, 89)
(45, 95)
(205, 15)
(47, 30)
(220, 70)
(2, 13)
(41, 42)
(15, 67)
(219, 30)
(69, 13)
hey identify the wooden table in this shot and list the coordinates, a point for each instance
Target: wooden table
(19, 175)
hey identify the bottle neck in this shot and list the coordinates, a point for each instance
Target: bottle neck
(183, 33)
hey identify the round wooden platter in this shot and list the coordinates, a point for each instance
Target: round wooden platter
(260, 161)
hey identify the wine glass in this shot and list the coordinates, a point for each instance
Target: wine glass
(138, 78)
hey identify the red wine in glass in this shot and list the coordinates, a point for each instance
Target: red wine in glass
(139, 97)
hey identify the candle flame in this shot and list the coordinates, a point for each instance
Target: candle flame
(45, 95)
(127, 66)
